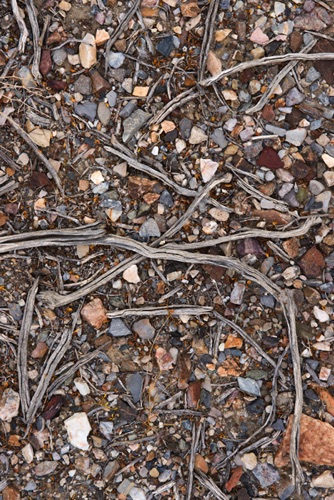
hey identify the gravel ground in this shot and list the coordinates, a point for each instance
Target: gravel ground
(166, 247)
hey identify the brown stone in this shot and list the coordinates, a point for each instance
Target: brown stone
(312, 263)
(137, 186)
(46, 62)
(190, 9)
(183, 372)
(201, 464)
(268, 113)
(234, 479)
(94, 313)
(325, 397)
(99, 83)
(301, 170)
(312, 295)
(233, 342)
(273, 216)
(296, 40)
(229, 368)
(325, 68)
(40, 350)
(316, 443)
(194, 393)
(269, 158)
(11, 493)
(291, 246)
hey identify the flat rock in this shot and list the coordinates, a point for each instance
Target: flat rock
(144, 329)
(266, 474)
(45, 468)
(249, 385)
(329, 178)
(10, 493)
(320, 315)
(219, 138)
(9, 405)
(294, 96)
(46, 62)
(325, 480)
(94, 313)
(312, 263)
(87, 110)
(269, 158)
(259, 37)
(78, 428)
(131, 274)
(112, 98)
(59, 56)
(40, 350)
(201, 464)
(316, 443)
(100, 84)
(296, 136)
(103, 113)
(237, 293)
(249, 460)
(149, 229)
(166, 46)
(197, 135)
(41, 137)
(134, 384)
(83, 85)
(118, 328)
(116, 59)
(134, 123)
(87, 51)
(101, 37)
(164, 359)
(208, 169)
(309, 22)
(137, 494)
(213, 63)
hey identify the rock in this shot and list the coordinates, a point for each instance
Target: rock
(59, 56)
(249, 386)
(78, 428)
(103, 113)
(149, 229)
(116, 59)
(40, 350)
(273, 216)
(140, 91)
(107, 428)
(87, 110)
(301, 170)
(329, 160)
(125, 487)
(233, 342)
(101, 37)
(65, 6)
(312, 263)
(309, 22)
(110, 470)
(82, 386)
(53, 407)
(208, 167)
(134, 384)
(234, 479)
(46, 62)
(325, 480)
(115, 210)
(213, 63)
(197, 135)
(128, 109)
(316, 443)
(185, 128)
(87, 51)
(219, 214)
(166, 46)
(249, 460)
(164, 359)
(200, 464)
(320, 315)
(94, 313)
(28, 453)
(315, 187)
(83, 85)
(255, 407)
(9, 405)
(329, 178)
(268, 113)
(249, 246)
(121, 169)
(131, 274)
(112, 98)
(219, 138)
(144, 329)
(269, 158)
(259, 37)
(166, 199)
(118, 328)
(45, 468)
(10, 492)
(266, 474)
(100, 84)
(190, 8)
(194, 393)
(237, 293)
(296, 136)
(137, 494)
(26, 77)
(294, 97)
(291, 247)
(134, 123)
(41, 137)
(312, 75)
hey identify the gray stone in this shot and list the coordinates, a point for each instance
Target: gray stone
(26, 77)
(267, 301)
(134, 384)
(59, 56)
(219, 138)
(128, 109)
(103, 113)
(112, 98)
(86, 109)
(166, 45)
(125, 487)
(137, 494)
(149, 229)
(324, 198)
(30, 486)
(312, 75)
(106, 428)
(101, 188)
(266, 474)
(185, 128)
(294, 97)
(275, 130)
(118, 328)
(144, 329)
(83, 85)
(316, 187)
(116, 59)
(249, 386)
(15, 311)
(134, 123)
(296, 136)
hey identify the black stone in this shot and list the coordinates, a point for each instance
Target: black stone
(166, 46)
(255, 407)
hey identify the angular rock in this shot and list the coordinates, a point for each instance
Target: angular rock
(110, 470)
(149, 229)
(101, 37)
(83, 85)
(237, 293)
(9, 405)
(296, 136)
(164, 359)
(144, 329)
(219, 138)
(137, 494)
(309, 22)
(197, 135)
(134, 123)
(320, 315)
(213, 63)
(40, 350)
(94, 313)
(312, 263)
(116, 59)
(259, 37)
(41, 137)
(10, 493)
(86, 110)
(249, 246)
(45, 468)
(329, 178)
(134, 384)
(316, 443)
(87, 51)
(118, 328)
(131, 274)
(194, 393)
(166, 46)
(325, 480)
(103, 113)
(208, 168)
(294, 96)
(100, 84)
(273, 216)
(249, 386)
(266, 474)
(200, 464)
(249, 460)
(46, 62)
(78, 428)
(269, 158)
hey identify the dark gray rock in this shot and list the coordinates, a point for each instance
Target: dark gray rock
(219, 138)
(86, 110)
(134, 123)
(118, 328)
(134, 384)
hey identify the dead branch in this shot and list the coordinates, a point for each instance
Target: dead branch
(22, 26)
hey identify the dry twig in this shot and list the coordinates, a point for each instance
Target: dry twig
(32, 13)
(23, 28)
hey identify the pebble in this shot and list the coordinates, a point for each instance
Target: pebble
(213, 63)
(116, 59)
(26, 77)
(208, 167)
(28, 453)
(134, 384)
(144, 329)
(149, 229)
(107, 428)
(259, 37)
(10, 492)
(197, 135)
(137, 494)
(87, 110)
(296, 136)
(40, 350)
(325, 480)
(110, 470)
(312, 263)
(219, 138)
(59, 56)
(101, 37)
(131, 274)
(83, 85)
(41, 137)
(134, 123)
(100, 84)
(266, 474)
(78, 428)
(185, 128)
(166, 199)
(114, 210)
(9, 405)
(103, 113)
(87, 51)
(82, 386)
(125, 487)
(118, 328)
(237, 293)
(111, 98)
(329, 160)
(219, 214)
(312, 75)
(315, 187)
(249, 460)
(320, 315)
(166, 46)
(249, 386)
(324, 200)
(127, 85)
(45, 468)
(269, 158)
(294, 96)
(201, 464)
(94, 313)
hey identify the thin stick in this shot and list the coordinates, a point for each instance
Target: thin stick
(207, 38)
(267, 61)
(208, 483)
(186, 96)
(32, 13)
(194, 444)
(173, 310)
(22, 349)
(22, 26)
